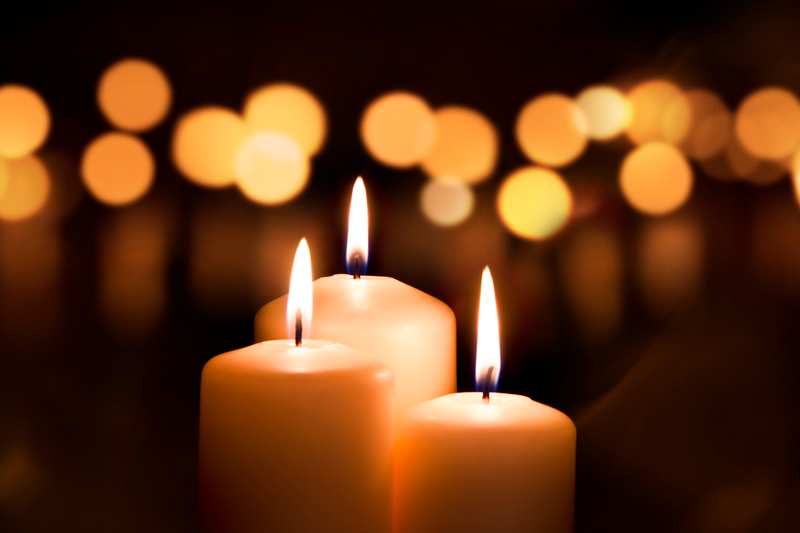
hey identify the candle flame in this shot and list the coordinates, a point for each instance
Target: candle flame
(300, 296)
(358, 235)
(488, 353)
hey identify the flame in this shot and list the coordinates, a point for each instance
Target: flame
(300, 297)
(357, 252)
(488, 335)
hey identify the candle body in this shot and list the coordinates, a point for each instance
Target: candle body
(412, 331)
(462, 465)
(296, 439)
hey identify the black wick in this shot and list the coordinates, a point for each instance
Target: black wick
(355, 266)
(487, 384)
(298, 328)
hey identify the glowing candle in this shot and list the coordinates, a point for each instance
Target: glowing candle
(296, 435)
(484, 461)
(412, 331)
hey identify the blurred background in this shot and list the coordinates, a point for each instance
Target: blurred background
(625, 169)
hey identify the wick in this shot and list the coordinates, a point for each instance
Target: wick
(356, 266)
(298, 328)
(487, 384)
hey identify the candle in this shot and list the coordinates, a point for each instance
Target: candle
(297, 435)
(413, 332)
(482, 461)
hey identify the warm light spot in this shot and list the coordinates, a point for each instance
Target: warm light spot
(661, 112)
(465, 147)
(117, 168)
(551, 130)
(134, 94)
(656, 178)
(607, 111)
(768, 123)
(357, 249)
(3, 177)
(488, 349)
(534, 202)
(24, 121)
(712, 125)
(398, 129)
(27, 188)
(300, 294)
(205, 144)
(446, 202)
(795, 173)
(742, 162)
(287, 109)
(271, 168)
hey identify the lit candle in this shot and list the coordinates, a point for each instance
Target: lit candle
(484, 461)
(296, 435)
(412, 331)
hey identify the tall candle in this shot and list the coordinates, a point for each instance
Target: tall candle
(412, 331)
(477, 462)
(296, 435)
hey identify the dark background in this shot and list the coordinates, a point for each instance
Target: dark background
(687, 414)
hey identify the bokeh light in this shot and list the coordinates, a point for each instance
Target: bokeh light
(768, 123)
(655, 178)
(290, 110)
(742, 162)
(205, 144)
(271, 168)
(134, 94)
(606, 110)
(551, 130)
(398, 129)
(712, 125)
(24, 121)
(465, 147)
(661, 112)
(534, 202)
(446, 202)
(117, 168)
(27, 188)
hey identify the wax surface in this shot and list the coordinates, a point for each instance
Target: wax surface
(465, 466)
(412, 331)
(296, 439)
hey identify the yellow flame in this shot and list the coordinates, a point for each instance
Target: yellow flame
(300, 296)
(358, 233)
(488, 353)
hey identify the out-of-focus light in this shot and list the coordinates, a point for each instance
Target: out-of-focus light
(767, 123)
(27, 188)
(712, 125)
(24, 121)
(534, 202)
(465, 147)
(398, 129)
(661, 112)
(271, 168)
(795, 172)
(607, 111)
(551, 130)
(134, 94)
(656, 178)
(742, 162)
(446, 202)
(290, 110)
(117, 168)
(205, 144)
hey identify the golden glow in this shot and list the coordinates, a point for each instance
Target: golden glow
(358, 231)
(205, 144)
(712, 125)
(287, 109)
(551, 130)
(488, 350)
(465, 147)
(134, 94)
(534, 202)
(3, 177)
(661, 112)
(607, 111)
(795, 173)
(767, 123)
(300, 294)
(271, 168)
(656, 178)
(742, 162)
(117, 168)
(24, 121)
(446, 202)
(398, 129)
(27, 188)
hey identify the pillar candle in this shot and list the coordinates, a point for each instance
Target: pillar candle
(477, 462)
